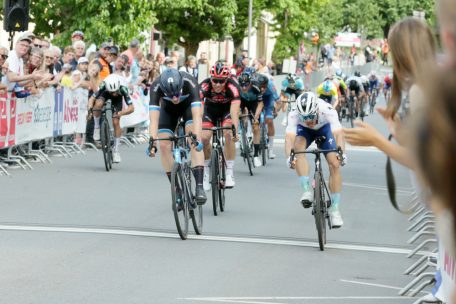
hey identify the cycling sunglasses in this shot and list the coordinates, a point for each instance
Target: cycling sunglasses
(218, 80)
(308, 117)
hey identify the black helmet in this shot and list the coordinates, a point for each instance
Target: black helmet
(262, 80)
(171, 82)
(245, 79)
(358, 74)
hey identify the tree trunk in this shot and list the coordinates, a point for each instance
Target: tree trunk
(191, 48)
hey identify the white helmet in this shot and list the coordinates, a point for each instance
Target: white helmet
(112, 83)
(307, 103)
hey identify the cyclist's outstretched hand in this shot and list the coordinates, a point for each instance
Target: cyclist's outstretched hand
(151, 151)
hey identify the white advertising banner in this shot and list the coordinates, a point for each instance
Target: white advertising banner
(141, 112)
(348, 39)
(70, 112)
(82, 97)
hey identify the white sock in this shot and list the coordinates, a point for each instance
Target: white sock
(116, 144)
(271, 142)
(97, 122)
(229, 167)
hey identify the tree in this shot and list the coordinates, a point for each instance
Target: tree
(363, 16)
(119, 19)
(241, 18)
(188, 22)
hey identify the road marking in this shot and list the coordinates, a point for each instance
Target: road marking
(248, 240)
(377, 285)
(373, 187)
(347, 146)
(260, 300)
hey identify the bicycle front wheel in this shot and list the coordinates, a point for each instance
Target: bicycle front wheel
(246, 151)
(215, 180)
(319, 211)
(263, 144)
(352, 114)
(222, 179)
(179, 201)
(105, 144)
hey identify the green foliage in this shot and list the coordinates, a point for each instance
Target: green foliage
(122, 20)
(240, 29)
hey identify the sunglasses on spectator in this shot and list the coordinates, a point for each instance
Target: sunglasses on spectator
(218, 80)
(37, 45)
(308, 117)
(4, 56)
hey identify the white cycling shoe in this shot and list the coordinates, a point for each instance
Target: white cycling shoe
(257, 162)
(96, 134)
(335, 218)
(306, 199)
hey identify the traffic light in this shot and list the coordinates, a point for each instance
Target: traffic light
(16, 15)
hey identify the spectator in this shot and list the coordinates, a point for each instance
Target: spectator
(190, 66)
(35, 60)
(203, 58)
(104, 60)
(120, 65)
(446, 11)
(83, 66)
(177, 55)
(79, 51)
(171, 62)
(36, 42)
(368, 53)
(16, 75)
(353, 52)
(66, 79)
(135, 68)
(45, 44)
(47, 68)
(57, 54)
(131, 51)
(160, 58)
(3, 57)
(77, 35)
(262, 68)
(385, 51)
(68, 56)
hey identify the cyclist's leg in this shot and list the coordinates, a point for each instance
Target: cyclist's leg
(96, 117)
(303, 139)
(269, 120)
(230, 150)
(166, 126)
(116, 107)
(206, 136)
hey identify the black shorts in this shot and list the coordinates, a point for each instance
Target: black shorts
(170, 114)
(116, 103)
(214, 112)
(251, 107)
(366, 87)
(292, 92)
(326, 98)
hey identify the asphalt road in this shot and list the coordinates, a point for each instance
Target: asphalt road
(73, 233)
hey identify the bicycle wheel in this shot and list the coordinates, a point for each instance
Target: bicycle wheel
(246, 151)
(319, 211)
(179, 201)
(222, 178)
(352, 113)
(196, 211)
(105, 144)
(215, 180)
(263, 144)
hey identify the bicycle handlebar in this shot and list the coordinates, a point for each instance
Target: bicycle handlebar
(174, 139)
(215, 129)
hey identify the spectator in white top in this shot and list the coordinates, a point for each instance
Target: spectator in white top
(16, 64)
(190, 66)
(77, 35)
(160, 58)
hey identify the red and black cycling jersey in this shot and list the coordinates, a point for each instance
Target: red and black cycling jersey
(190, 91)
(229, 94)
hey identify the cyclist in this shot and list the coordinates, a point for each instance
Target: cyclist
(327, 91)
(355, 84)
(374, 84)
(387, 82)
(174, 94)
(341, 86)
(292, 85)
(270, 100)
(221, 96)
(366, 86)
(313, 118)
(111, 88)
(252, 102)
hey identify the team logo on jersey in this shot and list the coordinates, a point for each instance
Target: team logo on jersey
(170, 80)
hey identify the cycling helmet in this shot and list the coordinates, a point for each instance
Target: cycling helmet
(373, 74)
(307, 104)
(171, 82)
(249, 70)
(339, 73)
(245, 79)
(219, 70)
(112, 83)
(327, 86)
(263, 80)
(291, 78)
(358, 74)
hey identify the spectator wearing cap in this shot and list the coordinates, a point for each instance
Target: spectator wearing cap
(103, 60)
(132, 50)
(77, 35)
(112, 55)
(83, 66)
(171, 62)
(16, 74)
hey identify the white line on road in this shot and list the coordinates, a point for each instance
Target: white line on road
(376, 285)
(249, 240)
(373, 187)
(259, 300)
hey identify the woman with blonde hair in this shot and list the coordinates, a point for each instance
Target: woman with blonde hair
(413, 51)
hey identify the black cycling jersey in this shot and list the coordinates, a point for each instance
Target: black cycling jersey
(116, 100)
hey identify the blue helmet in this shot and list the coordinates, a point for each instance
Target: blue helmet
(339, 73)
(327, 85)
(244, 79)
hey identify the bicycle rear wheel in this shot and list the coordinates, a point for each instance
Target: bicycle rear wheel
(246, 151)
(105, 144)
(179, 201)
(352, 113)
(215, 178)
(263, 144)
(319, 211)
(195, 210)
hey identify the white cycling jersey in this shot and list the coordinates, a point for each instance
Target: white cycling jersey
(326, 114)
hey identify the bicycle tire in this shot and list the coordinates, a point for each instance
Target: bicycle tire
(215, 180)
(246, 151)
(180, 209)
(105, 142)
(263, 145)
(352, 113)
(195, 210)
(319, 212)
(222, 179)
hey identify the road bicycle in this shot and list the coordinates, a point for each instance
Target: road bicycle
(264, 141)
(246, 149)
(322, 197)
(218, 166)
(106, 133)
(373, 100)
